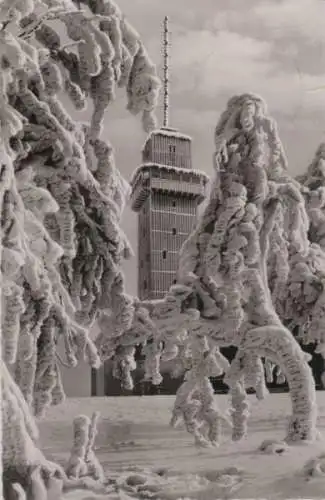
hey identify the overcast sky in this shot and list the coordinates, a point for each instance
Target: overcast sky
(275, 48)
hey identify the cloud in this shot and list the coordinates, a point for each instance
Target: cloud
(275, 48)
(272, 19)
(147, 15)
(294, 28)
(204, 46)
(297, 17)
(224, 63)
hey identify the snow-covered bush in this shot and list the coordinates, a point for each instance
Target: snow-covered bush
(61, 198)
(83, 461)
(270, 446)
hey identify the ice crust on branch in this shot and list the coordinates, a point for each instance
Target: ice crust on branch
(61, 197)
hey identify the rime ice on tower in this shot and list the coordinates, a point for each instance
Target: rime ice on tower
(166, 192)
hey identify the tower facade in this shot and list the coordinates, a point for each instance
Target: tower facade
(166, 192)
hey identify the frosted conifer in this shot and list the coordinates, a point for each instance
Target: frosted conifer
(254, 209)
(61, 198)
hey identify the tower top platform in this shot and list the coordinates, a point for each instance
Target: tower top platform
(191, 175)
(152, 178)
(167, 132)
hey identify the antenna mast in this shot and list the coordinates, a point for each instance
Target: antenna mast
(166, 70)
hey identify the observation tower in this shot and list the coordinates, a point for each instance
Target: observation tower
(166, 192)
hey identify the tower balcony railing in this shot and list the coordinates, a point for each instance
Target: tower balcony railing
(178, 186)
(168, 181)
(141, 190)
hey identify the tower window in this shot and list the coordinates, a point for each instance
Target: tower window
(174, 231)
(147, 257)
(141, 264)
(172, 153)
(145, 284)
(164, 254)
(174, 282)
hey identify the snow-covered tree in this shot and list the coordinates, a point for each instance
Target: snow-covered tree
(61, 198)
(237, 281)
(254, 228)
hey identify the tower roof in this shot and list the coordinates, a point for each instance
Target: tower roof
(168, 132)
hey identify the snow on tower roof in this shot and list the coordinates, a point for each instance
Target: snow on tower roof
(170, 169)
(168, 131)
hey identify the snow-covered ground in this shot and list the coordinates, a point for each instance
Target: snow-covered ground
(134, 432)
